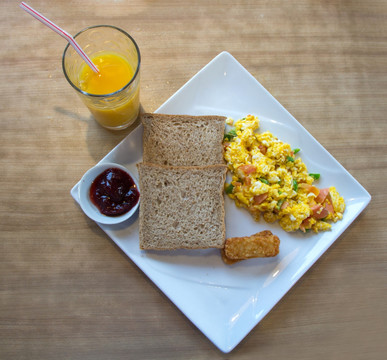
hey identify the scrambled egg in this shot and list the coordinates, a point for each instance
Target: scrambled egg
(268, 178)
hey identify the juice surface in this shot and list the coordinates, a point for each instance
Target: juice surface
(114, 73)
(113, 111)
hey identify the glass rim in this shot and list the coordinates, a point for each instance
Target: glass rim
(112, 93)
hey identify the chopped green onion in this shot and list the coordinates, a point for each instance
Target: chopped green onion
(230, 135)
(315, 176)
(295, 151)
(264, 181)
(229, 189)
(289, 158)
(295, 185)
(279, 203)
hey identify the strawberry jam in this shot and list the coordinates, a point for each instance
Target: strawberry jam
(114, 192)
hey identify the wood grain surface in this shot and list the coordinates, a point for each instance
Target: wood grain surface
(68, 292)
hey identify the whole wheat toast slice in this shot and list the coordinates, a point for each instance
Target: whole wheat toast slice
(183, 140)
(181, 207)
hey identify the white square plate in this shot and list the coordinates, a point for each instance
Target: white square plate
(225, 302)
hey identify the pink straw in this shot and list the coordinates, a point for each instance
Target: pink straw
(61, 32)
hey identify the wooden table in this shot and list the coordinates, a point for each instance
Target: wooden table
(68, 292)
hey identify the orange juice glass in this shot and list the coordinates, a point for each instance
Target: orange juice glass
(113, 95)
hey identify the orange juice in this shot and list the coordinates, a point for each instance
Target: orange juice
(115, 72)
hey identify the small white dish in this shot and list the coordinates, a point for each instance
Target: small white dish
(84, 195)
